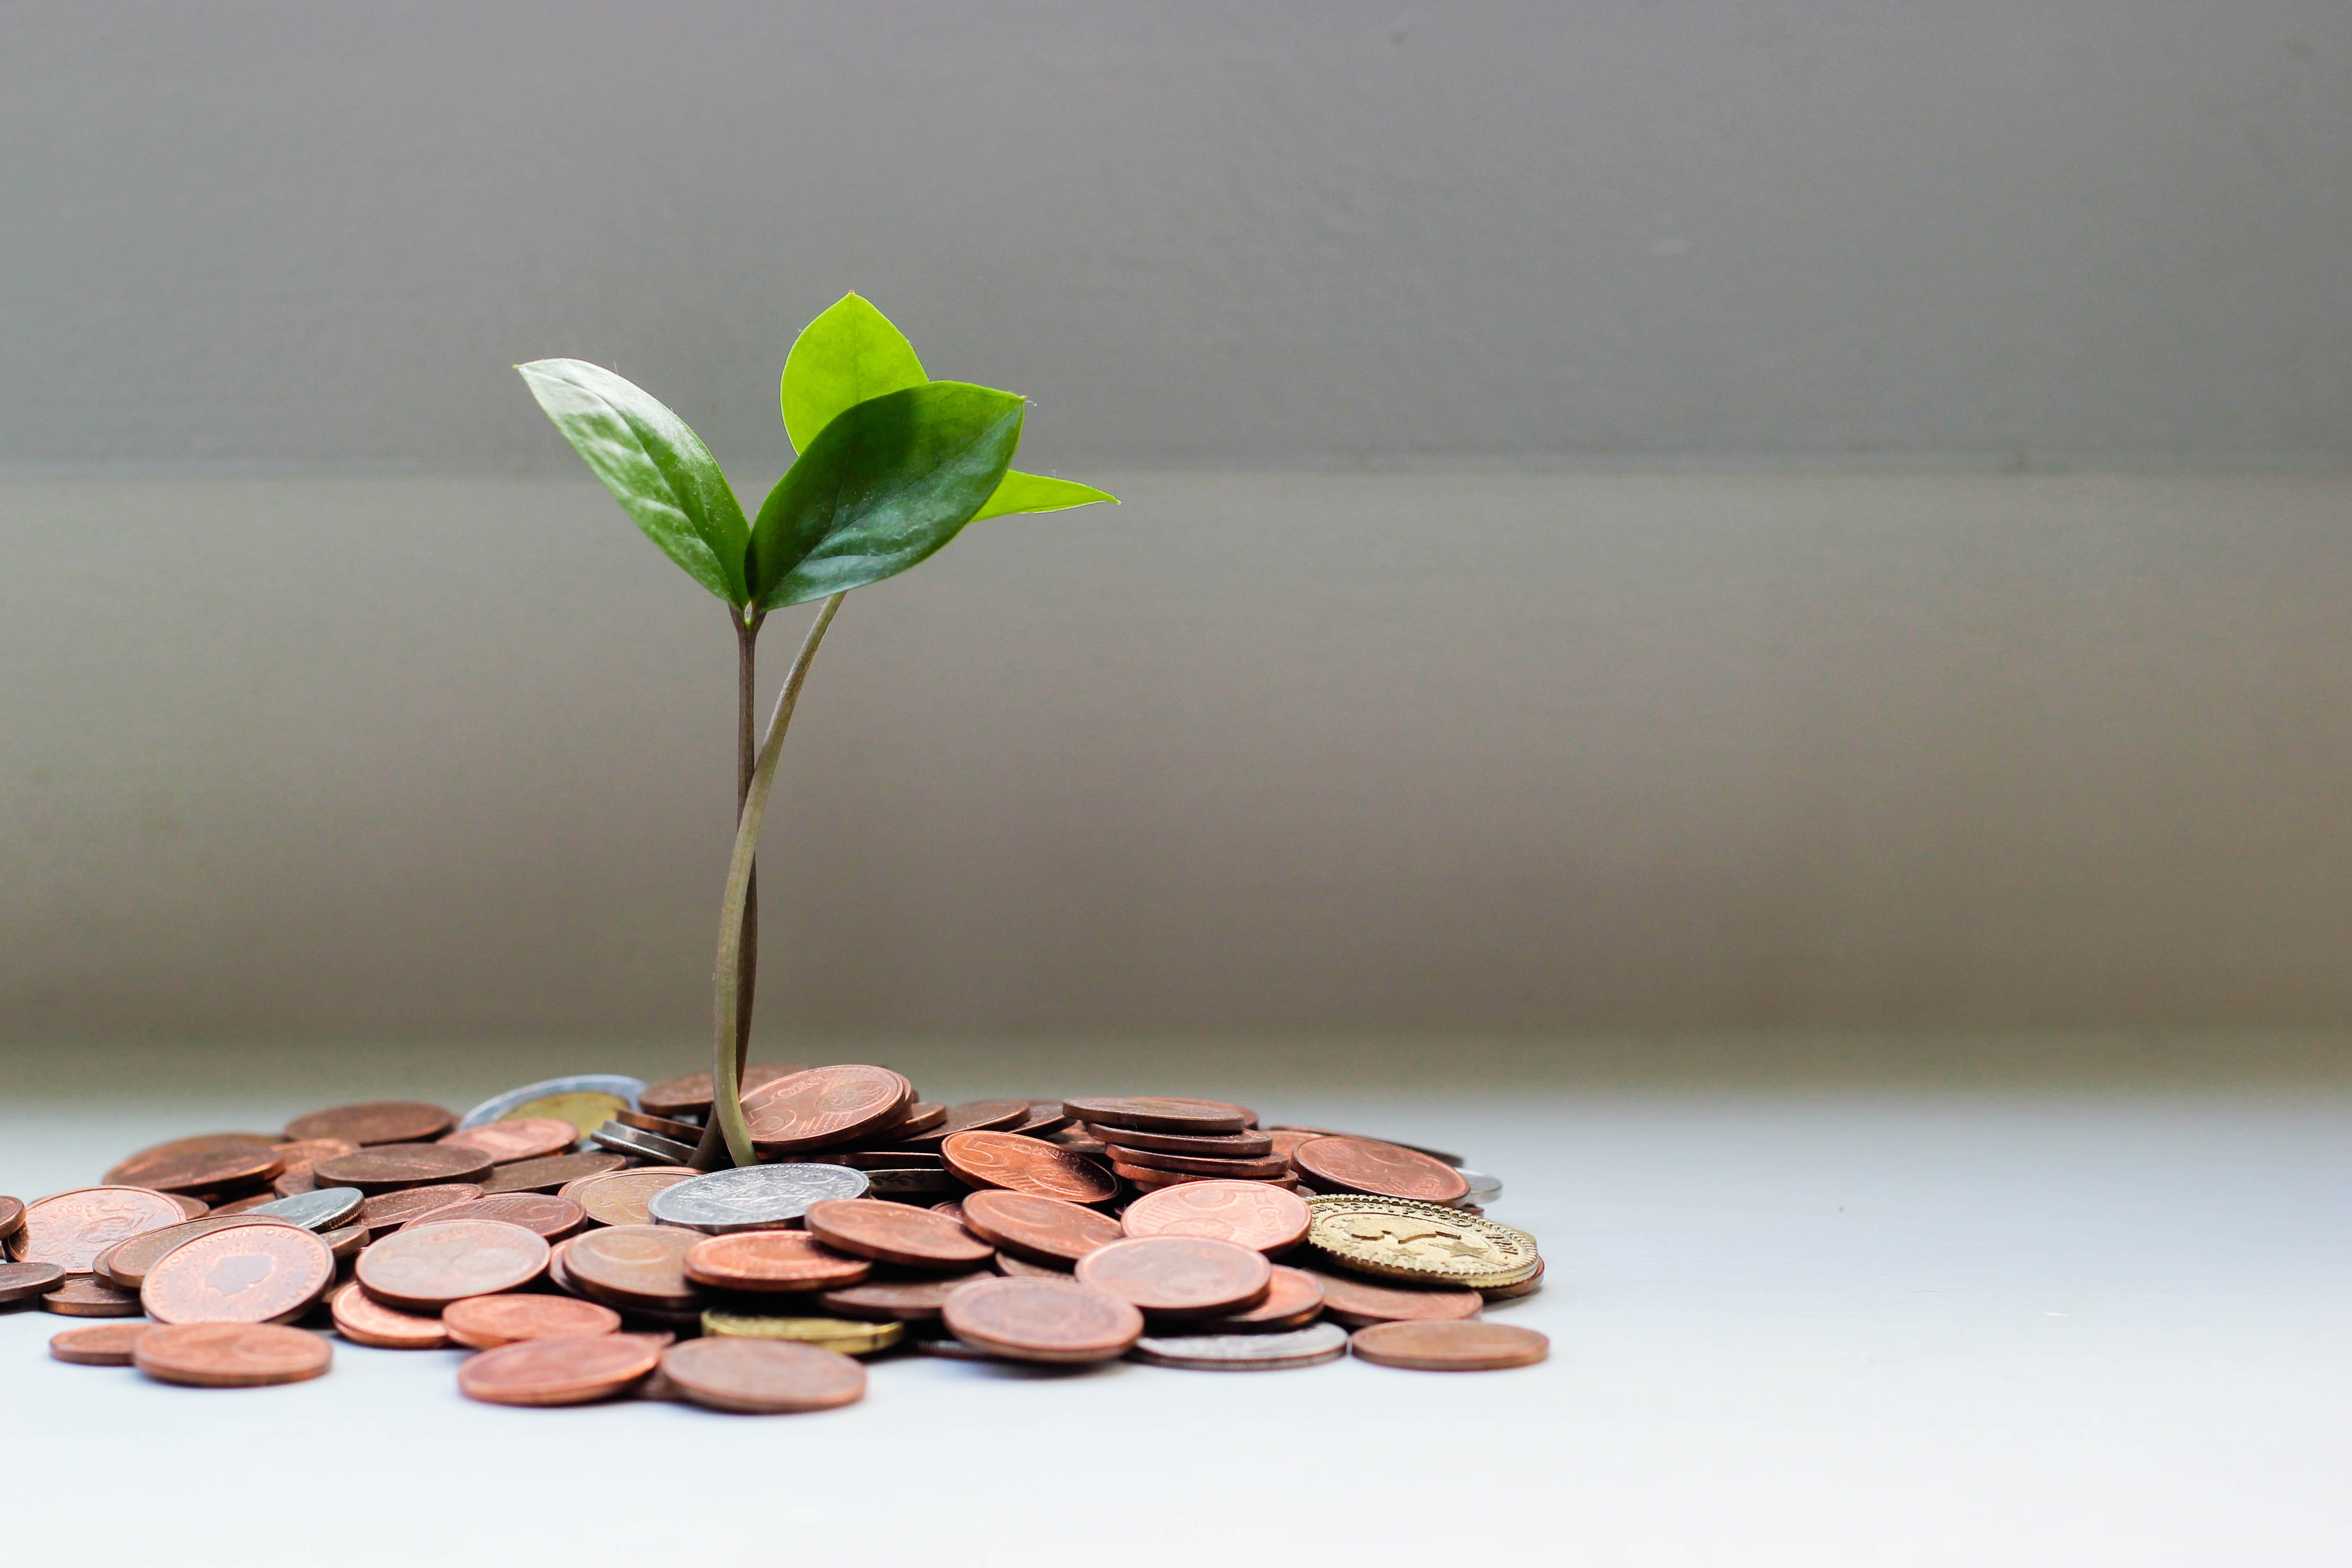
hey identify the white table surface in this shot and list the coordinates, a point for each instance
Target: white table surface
(1817, 1330)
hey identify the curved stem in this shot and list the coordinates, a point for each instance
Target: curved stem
(710, 1151)
(726, 1083)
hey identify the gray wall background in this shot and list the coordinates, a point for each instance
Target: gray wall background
(1694, 516)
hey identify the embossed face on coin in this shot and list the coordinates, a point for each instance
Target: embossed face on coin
(379, 1121)
(231, 1356)
(1179, 1276)
(245, 1274)
(825, 1106)
(1420, 1242)
(753, 1197)
(1378, 1170)
(1248, 1213)
(519, 1138)
(762, 1377)
(126, 1263)
(1042, 1320)
(425, 1268)
(1029, 1165)
(71, 1229)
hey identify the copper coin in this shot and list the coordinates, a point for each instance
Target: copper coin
(544, 1213)
(1200, 1164)
(1288, 1137)
(922, 1119)
(132, 1171)
(293, 1184)
(1042, 1230)
(1248, 1213)
(12, 1216)
(389, 1167)
(825, 1106)
(1028, 1165)
(425, 1268)
(559, 1371)
(380, 1121)
(634, 1267)
(884, 1159)
(1451, 1346)
(365, 1320)
(1378, 1170)
(1045, 1116)
(218, 1171)
(71, 1229)
(1042, 1320)
(100, 1344)
(308, 1152)
(1162, 1114)
(899, 1300)
(763, 1377)
(83, 1297)
(768, 1260)
(486, 1323)
(388, 1212)
(1179, 1276)
(691, 1095)
(983, 1116)
(190, 1207)
(232, 1355)
(1294, 1298)
(241, 1205)
(952, 1208)
(547, 1176)
(1080, 1140)
(894, 1233)
(346, 1243)
(1214, 1146)
(245, 1274)
(526, 1138)
(620, 1198)
(22, 1281)
(662, 1126)
(1359, 1303)
(1021, 1268)
(125, 1264)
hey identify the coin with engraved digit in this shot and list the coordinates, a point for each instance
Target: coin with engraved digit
(1377, 1170)
(1031, 1165)
(825, 1106)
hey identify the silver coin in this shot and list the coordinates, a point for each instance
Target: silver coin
(1310, 1346)
(1484, 1190)
(753, 1197)
(499, 1105)
(323, 1209)
(624, 1140)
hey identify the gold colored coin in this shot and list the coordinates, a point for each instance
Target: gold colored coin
(587, 1112)
(833, 1334)
(1398, 1239)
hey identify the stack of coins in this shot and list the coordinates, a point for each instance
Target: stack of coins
(560, 1233)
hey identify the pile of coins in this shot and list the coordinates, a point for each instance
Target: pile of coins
(559, 1232)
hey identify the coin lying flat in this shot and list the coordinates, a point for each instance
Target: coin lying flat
(232, 1355)
(378, 1121)
(1377, 1170)
(424, 1269)
(1451, 1346)
(1047, 1231)
(542, 1213)
(825, 1106)
(263, 1273)
(125, 1264)
(327, 1208)
(82, 1296)
(389, 1167)
(895, 1234)
(1526, 1286)
(1294, 1298)
(619, 1138)
(982, 1116)
(1031, 1165)
(1248, 1213)
(71, 1229)
(1173, 1277)
(691, 1095)
(762, 1376)
(23, 1281)
(900, 1300)
(559, 1371)
(1045, 1116)
(1042, 1320)
(1162, 1114)
(771, 1260)
(1360, 1303)
(486, 1323)
(1288, 1137)
(753, 1197)
(1262, 1168)
(387, 1212)
(365, 1320)
(636, 1267)
(520, 1138)
(134, 1171)
(684, 1132)
(1484, 1190)
(620, 1197)
(100, 1344)
(1245, 1353)
(547, 1176)
(306, 1152)
(587, 1100)
(1420, 1242)
(212, 1172)
(1020, 1268)
(1249, 1145)
(848, 1339)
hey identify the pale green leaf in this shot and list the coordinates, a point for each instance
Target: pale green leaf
(1039, 492)
(845, 356)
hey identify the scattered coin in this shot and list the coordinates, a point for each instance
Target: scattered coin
(345, 1243)
(619, 1138)
(1163, 1115)
(380, 1121)
(1251, 1145)
(1420, 1242)
(587, 1100)
(620, 1198)
(684, 1132)
(263, 1273)
(1287, 1138)
(920, 1120)
(753, 1197)
(124, 1265)
(825, 1106)
(1248, 1213)
(895, 1234)
(1029, 1165)
(691, 1095)
(425, 1268)
(71, 1229)
(1042, 1320)
(12, 1216)
(1310, 1346)
(365, 1320)
(1485, 1192)
(327, 1208)
(1176, 1276)
(1148, 1160)
(303, 1155)
(548, 1174)
(559, 1371)
(84, 1297)
(833, 1334)
(1293, 1300)
(1045, 1116)
(636, 1267)
(1022, 1269)
(542, 1213)
(1526, 1286)
(389, 1167)
(486, 1323)
(134, 1172)
(210, 1173)
(1360, 1303)
(100, 1344)
(231, 1356)
(918, 1300)
(1451, 1346)
(1377, 1170)
(770, 1261)
(983, 1116)
(519, 1138)
(389, 1211)
(1042, 1230)
(762, 1376)
(23, 1281)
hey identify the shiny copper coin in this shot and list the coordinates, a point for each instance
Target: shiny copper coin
(559, 1371)
(983, 1116)
(190, 1207)
(894, 1233)
(365, 1320)
(824, 1107)
(388, 1212)
(771, 1260)
(1042, 1230)
(100, 1344)
(125, 1264)
(12, 1216)
(245, 1274)
(346, 1242)
(1451, 1346)
(661, 1126)
(390, 1167)
(543, 1213)
(293, 1184)
(84, 1297)
(1248, 1213)
(71, 1229)
(620, 1198)
(486, 1323)
(924, 1117)
(231, 1356)
(1250, 1145)
(1378, 1170)
(1162, 1114)
(1294, 1298)
(1288, 1137)
(134, 1172)
(380, 1121)
(899, 1300)
(425, 1268)
(691, 1095)
(1260, 1169)
(1021, 1268)
(547, 1176)
(525, 1138)
(1360, 1303)
(1042, 1320)
(952, 1208)
(761, 1377)
(218, 1171)
(1029, 1165)
(308, 1152)
(1045, 1116)
(23, 1281)
(1179, 1276)
(634, 1267)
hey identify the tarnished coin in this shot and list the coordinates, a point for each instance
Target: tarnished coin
(390, 1167)
(12, 1216)
(684, 1132)
(1420, 1242)
(848, 1339)
(900, 1300)
(365, 1320)
(1175, 1277)
(1042, 1230)
(691, 1095)
(1031, 1165)
(100, 1344)
(1042, 1320)
(1022, 1269)
(772, 1260)
(559, 1371)
(825, 1106)
(425, 1268)
(23, 1281)
(1146, 1159)
(81, 1296)
(542, 1213)
(633, 1267)
(620, 1198)
(753, 1197)
(388, 1212)
(263, 1273)
(202, 1175)
(232, 1355)
(134, 1171)
(521, 1138)
(71, 1229)
(619, 1138)
(1293, 1300)
(894, 1233)
(905, 1184)
(327, 1208)
(1377, 1170)
(125, 1264)
(1360, 1303)
(1484, 1190)
(1248, 1213)
(486, 1323)
(982, 1116)
(587, 1100)
(380, 1121)
(762, 1376)
(547, 1176)
(1451, 1346)
(1045, 1116)
(1251, 1145)
(1245, 1353)
(1162, 1114)
(345, 1242)
(308, 1152)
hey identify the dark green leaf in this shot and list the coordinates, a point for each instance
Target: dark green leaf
(845, 356)
(1039, 492)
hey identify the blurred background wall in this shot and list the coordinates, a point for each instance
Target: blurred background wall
(1711, 516)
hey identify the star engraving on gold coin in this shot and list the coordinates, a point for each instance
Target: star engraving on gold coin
(1404, 1240)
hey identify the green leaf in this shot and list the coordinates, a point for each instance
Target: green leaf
(886, 484)
(656, 466)
(1039, 492)
(847, 355)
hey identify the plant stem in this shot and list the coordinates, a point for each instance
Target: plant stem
(727, 990)
(711, 1154)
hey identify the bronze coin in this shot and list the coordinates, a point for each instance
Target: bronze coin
(365, 1320)
(634, 1267)
(526, 1138)
(1042, 1230)
(238, 1206)
(982, 1116)
(245, 1274)
(100, 1344)
(346, 1243)
(380, 1121)
(132, 1171)
(1378, 1170)
(12, 1216)
(1162, 1114)
(425, 1268)
(1288, 1138)
(1045, 1116)
(770, 1261)
(201, 1174)
(1172, 1277)
(1451, 1346)
(763, 1377)
(486, 1323)
(1526, 1286)
(1199, 1164)
(84, 1297)
(71, 1229)
(231, 1356)
(952, 1208)
(190, 1207)
(125, 1264)
(1359, 1303)
(824, 1107)
(894, 1233)
(23, 1281)
(293, 1184)
(691, 1095)
(1294, 1298)
(1028, 1165)
(923, 1119)
(1042, 1320)
(303, 1155)
(661, 1126)
(620, 1198)
(899, 1300)
(559, 1371)
(1250, 1145)
(547, 1176)
(1021, 1268)
(551, 1216)
(389, 1167)
(388, 1212)
(1248, 1213)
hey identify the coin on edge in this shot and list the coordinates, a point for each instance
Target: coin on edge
(762, 1376)
(100, 1344)
(232, 1355)
(1245, 1353)
(263, 1273)
(365, 1320)
(1451, 1347)
(1042, 1320)
(486, 1323)
(559, 1371)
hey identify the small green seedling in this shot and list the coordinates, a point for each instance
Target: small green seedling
(892, 465)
